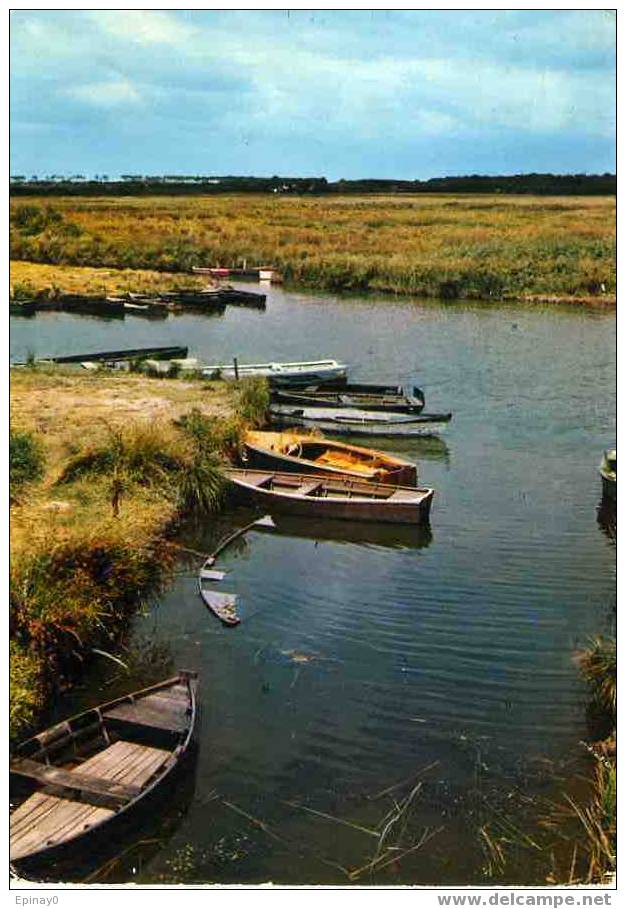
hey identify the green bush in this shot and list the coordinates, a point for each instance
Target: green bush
(26, 460)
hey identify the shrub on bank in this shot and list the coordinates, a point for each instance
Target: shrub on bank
(26, 461)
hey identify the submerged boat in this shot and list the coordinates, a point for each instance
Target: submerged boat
(353, 422)
(608, 472)
(303, 373)
(394, 399)
(332, 497)
(292, 451)
(82, 781)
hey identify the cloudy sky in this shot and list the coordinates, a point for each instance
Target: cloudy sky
(340, 94)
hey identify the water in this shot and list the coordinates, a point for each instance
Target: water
(365, 653)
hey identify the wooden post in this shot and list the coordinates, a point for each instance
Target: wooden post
(236, 368)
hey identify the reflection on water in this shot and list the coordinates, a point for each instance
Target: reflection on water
(366, 654)
(607, 518)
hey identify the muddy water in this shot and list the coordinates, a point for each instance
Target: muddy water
(367, 654)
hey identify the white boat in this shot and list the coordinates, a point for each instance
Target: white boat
(305, 373)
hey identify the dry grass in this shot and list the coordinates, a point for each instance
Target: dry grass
(454, 245)
(79, 562)
(42, 279)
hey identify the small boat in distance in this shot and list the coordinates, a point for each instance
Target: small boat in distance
(79, 783)
(302, 373)
(332, 497)
(353, 422)
(608, 472)
(394, 401)
(293, 451)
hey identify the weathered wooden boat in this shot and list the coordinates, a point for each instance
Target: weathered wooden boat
(608, 472)
(292, 451)
(303, 373)
(259, 272)
(85, 780)
(22, 307)
(151, 309)
(203, 299)
(332, 497)
(352, 422)
(365, 388)
(221, 604)
(395, 401)
(133, 353)
(92, 306)
(233, 296)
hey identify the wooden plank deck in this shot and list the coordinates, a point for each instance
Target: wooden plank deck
(106, 793)
(46, 820)
(162, 710)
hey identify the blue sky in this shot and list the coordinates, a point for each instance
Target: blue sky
(337, 94)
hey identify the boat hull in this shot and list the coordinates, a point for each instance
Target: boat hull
(362, 424)
(413, 509)
(279, 374)
(386, 468)
(42, 861)
(344, 398)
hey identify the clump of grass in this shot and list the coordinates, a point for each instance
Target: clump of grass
(27, 461)
(25, 691)
(186, 469)
(213, 434)
(598, 664)
(66, 597)
(253, 399)
(143, 453)
(589, 831)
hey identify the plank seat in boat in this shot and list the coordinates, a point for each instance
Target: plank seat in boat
(402, 495)
(92, 788)
(260, 480)
(46, 820)
(307, 489)
(211, 574)
(159, 711)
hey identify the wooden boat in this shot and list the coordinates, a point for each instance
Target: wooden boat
(365, 388)
(395, 401)
(133, 353)
(234, 297)
(608, 472)
(332, 497)
(303, 373)
(22, 307)
(93, 306)
(83, 780)
(292, 451)
(352, 422)
(221, 604)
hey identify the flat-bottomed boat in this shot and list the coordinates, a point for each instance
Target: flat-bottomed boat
(79, 782)
(293, 451)
(332, 497)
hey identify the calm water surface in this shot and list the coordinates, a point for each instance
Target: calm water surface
(365, 653)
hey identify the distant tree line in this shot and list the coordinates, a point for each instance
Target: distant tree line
(173, 184)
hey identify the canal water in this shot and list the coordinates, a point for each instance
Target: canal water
(372, 659)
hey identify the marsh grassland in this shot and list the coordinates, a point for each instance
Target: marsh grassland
(470, 246)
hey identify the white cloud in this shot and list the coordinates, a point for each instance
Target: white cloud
(143, 26)
(106, 94)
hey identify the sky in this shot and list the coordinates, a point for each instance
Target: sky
(388, 94)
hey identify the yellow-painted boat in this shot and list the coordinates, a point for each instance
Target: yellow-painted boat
(301, 453)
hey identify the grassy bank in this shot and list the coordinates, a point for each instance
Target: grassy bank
(431, 245)
(32, 279)
(102, 465)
